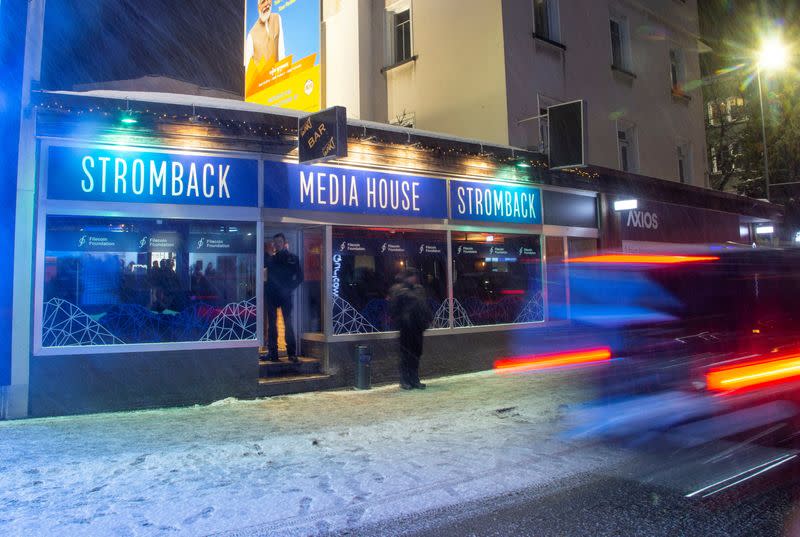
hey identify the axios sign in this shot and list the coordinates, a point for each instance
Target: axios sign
(495, 202)
(318, 188)
(642, 219)
(150, 177)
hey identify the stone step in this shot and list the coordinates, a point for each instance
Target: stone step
(268, 387)
(285, 368)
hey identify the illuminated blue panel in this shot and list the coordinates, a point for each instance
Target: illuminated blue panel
(91, 174)
(491, 202)
(346, 190)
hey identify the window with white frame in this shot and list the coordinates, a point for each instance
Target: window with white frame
(677, 69)
(712, 112)
(545, 20)
(626, 143)
(684, 162)
(714, 160)
(398, 25)
(735, 108)
(620, 43)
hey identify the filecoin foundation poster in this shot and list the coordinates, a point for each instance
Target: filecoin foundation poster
(282, 53)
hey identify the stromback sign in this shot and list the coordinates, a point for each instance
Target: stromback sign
(89, 174)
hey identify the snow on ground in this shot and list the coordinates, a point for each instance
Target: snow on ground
(306, 464)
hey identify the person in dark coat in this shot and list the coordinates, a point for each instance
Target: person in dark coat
(408, 308)
(284, 275)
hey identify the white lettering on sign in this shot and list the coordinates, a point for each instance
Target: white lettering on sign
(497, 203)
(189, 180)
(318, 188)
(335, 281)
(642, 219)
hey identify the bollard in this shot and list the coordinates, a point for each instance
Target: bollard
(363, 367)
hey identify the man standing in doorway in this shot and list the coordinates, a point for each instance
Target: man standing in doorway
(284, 275)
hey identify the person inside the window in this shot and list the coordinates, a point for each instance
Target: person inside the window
(265, 39)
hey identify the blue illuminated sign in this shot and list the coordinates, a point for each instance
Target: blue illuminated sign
(320, 188)
(90, 174)
(491, 202)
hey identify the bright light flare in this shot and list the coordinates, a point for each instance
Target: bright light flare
(535, 362)
(644, 259)
(773, 55)
(782, 368)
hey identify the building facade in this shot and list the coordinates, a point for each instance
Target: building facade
(489, 70)
(142, 219)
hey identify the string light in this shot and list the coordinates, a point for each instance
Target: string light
(490, 161)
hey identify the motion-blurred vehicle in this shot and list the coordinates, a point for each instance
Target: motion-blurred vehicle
(702, 347)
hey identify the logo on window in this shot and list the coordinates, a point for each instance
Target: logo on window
(142, 242)
(82, 241)
(201, 242)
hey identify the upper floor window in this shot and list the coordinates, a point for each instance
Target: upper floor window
(620, 44)
(545, 20)
(401, 27)
(626, 143)
(684, 167)
(677, 69)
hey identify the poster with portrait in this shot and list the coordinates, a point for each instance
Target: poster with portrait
(282, 53)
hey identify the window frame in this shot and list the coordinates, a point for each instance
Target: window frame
(51, 207)
(630, 131)
(677, 63)
(625, 52)
(684, 157)
(390, 54)
(552, 33)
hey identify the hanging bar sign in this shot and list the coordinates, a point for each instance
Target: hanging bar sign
(322, 136)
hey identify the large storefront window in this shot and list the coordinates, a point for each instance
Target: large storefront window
(496, 279)
(365, 263)
(130, 280)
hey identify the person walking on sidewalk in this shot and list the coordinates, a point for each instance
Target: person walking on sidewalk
(284, 275)
(410, 313)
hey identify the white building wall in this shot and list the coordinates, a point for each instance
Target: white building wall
(480, 73)
(538, 72)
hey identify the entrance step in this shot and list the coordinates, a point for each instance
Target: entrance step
(268, 387)
(285, 368)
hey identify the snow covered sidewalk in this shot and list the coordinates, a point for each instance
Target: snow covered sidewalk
(295, 465)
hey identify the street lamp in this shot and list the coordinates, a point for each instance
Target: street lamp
(773, 56)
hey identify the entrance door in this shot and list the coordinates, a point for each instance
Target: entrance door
(293, 245)
(305, 242)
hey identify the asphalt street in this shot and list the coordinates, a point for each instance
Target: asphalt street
(594, 505)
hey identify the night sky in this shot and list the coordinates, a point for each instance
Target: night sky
(199, 41)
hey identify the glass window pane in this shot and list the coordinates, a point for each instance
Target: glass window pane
(129, 280)
(402, 36)
(311, 257)
(365, 264)
(556, 277)
(496, 278)
(616, 44)
(541, 18)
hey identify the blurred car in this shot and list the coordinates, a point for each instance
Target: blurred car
(702, 347)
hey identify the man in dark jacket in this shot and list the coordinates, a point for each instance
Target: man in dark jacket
(284, 275)
(410, 313)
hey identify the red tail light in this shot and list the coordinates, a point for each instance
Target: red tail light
(644, 259)
(548, 361)
(779, 369)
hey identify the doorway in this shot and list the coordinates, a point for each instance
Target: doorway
(306, 242)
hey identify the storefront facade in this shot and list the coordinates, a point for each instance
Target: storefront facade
(148, 273)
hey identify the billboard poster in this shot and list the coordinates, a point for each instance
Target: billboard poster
(282, 53)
